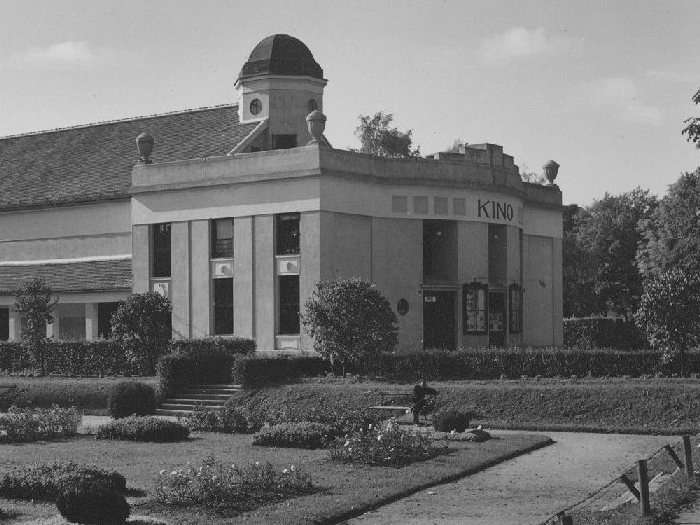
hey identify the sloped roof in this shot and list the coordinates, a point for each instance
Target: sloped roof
(94, 162)
(74, 277)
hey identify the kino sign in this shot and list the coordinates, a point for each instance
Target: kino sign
(495, 210)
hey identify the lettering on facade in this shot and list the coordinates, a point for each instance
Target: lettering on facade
(495, 210)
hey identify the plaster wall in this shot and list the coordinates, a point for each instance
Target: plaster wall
(141, 260)
(313, 229)
(264, 278)
(200, 280)
(539, 291)
(346, 246)
(66, 233)
(473, 264)
(397, 269)
(243, 277)
(180, 278)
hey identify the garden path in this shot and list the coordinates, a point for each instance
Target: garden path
(527, 489)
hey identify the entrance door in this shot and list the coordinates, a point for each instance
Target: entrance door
(497, 319)
(439, 327)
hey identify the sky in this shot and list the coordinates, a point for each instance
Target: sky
(602, 87)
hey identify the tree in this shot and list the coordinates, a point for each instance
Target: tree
(532, 177)
(692, 129)
(142, 323)
(671, 236)
(350, 321)
(669, 311)
(379, 139)
(35, 301)
(609, 231)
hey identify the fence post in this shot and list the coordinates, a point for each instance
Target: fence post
(688, 456)
(643, 487)
(566, 520)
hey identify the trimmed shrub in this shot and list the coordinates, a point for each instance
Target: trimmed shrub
(147, 428)
(200, 361)
(230, 418)
(295, 435)
(43, 482)
(513, 363)
(603, 332)
(223, 486)
(384, 445)
(256, 371)
(92, 503)
(132, 398)
(100, 357)
(25, 424)
(451, 419)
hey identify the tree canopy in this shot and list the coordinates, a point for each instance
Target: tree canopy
(35, 301)
(692, 128)
(377, 137)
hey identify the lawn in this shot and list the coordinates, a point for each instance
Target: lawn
(638, 406)
(343, 490)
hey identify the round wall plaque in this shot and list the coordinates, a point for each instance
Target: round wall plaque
(402, 307)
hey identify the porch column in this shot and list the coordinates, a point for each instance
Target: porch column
(91, 326)
(52, 329)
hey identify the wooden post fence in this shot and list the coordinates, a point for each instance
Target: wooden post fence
(688, 451)
(643, 487)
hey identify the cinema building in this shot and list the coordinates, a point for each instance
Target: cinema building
(235, 213)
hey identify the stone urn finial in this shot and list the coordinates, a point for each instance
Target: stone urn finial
(551, 169)
(316, 122)
(144, 143)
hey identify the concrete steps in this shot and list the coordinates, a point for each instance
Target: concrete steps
(212, 397)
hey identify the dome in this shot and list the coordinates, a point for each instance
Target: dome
(281, 55)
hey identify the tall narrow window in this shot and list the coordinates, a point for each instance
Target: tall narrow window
(474, 308)
(223, 306)
(515, 308)
(161, 250)
(288, 305)
(222, 238)
(4, 324)
(287, 234)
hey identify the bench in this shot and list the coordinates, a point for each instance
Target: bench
(400, 403)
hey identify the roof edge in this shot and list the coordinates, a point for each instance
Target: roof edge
(116, 121)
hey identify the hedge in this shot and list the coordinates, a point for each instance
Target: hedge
(200, 361)
(602, 332)
(101, 357)
(256, 371)
(513, 363)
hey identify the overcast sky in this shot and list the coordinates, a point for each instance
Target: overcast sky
(602, 87)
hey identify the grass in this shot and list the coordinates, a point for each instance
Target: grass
(640, 406)
(88, 394)
(343, 490)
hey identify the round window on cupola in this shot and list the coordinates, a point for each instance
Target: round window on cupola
(255, 106)
(313, 105)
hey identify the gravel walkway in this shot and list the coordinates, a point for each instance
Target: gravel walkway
(527, 489)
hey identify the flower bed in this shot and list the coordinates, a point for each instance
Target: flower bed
(386, 445)
(295, 435)
(24, 424)
(146, 428)
(229, 487)
(43, 482)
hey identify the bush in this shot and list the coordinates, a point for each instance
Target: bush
(230, 487)
(295, 435)
(132, 398)
(23, 425)
(260, 371)
(451, 419)
(92, 502)
(230, 418)
(200, 361)
(148, 428)
(384, 445)
(602, 332)
(100, 357)
(350, 321)
(513, 363)
(43, 482)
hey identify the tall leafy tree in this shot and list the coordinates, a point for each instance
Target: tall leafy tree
(35, 301)
(671, 236)
(608, 231)
(692, 128)
(377, 137)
